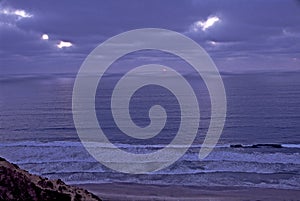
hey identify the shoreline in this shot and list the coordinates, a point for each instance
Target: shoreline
(141, 192)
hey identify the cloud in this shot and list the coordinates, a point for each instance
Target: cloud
(205, 24)
(63, 44)
(239, 30)
(18, 13)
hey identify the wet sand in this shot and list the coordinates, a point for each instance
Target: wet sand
(123, 191)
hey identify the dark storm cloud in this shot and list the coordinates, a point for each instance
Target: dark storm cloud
(259, 31)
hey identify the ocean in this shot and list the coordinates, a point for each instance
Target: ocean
(259, 146)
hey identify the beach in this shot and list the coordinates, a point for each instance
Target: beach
(129, 191)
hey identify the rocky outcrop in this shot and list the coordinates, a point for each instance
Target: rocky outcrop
(19, 185)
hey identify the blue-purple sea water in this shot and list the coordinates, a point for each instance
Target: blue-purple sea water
(37, 132)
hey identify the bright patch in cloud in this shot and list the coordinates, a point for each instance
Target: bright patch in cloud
(45, 37)
(64, 44)
(22, 13)
(18, 13)
(213, 43)
(205, 24)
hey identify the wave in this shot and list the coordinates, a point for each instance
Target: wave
(256, 146)
(71, 162)
(53, 168)
(207, 179)
(91, 144)
(123, 145)
(39, 153)
(291, 146)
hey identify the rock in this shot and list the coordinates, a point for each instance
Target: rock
(19, 185)
(267, 145)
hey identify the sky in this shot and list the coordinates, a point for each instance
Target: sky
(241, 36)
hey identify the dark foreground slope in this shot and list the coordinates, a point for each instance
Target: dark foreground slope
(17, 184)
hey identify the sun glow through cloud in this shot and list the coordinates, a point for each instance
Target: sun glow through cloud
(203, 25)
(64, 44)
(213, 43)
(45, 37)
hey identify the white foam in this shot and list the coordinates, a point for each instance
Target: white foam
(291, 146)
